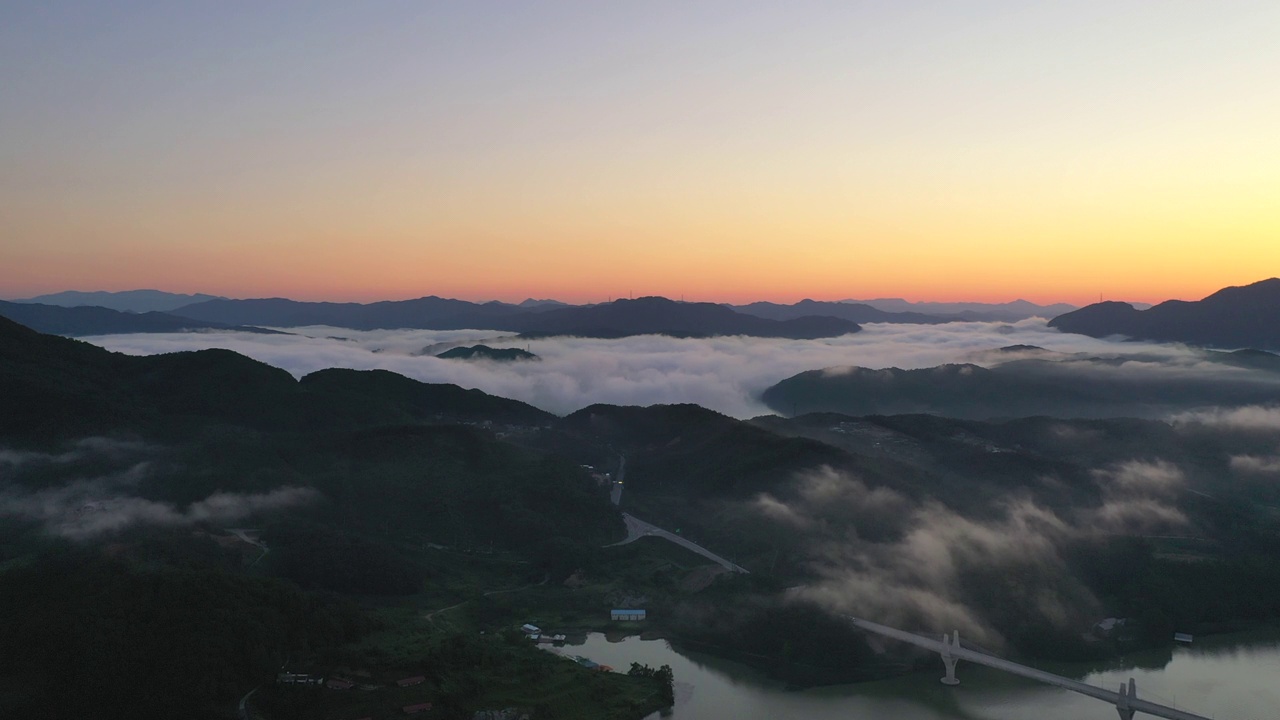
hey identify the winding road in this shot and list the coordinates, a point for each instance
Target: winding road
(615, 493)
(244, 704)
(637, 528)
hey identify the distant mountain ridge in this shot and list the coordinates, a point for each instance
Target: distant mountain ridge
(425, 313)
(81, 321)
(972, 311)
(437, 313)
(660, 316)
(853, 312)
(620, 318)
(137, 301)
(1235, 317)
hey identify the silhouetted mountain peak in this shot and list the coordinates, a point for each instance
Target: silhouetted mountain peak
(1266, 291)
(1232, 317)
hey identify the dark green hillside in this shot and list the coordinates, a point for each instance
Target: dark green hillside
(455, 486)
(56, 388)
(52, 387)
(389, 502)
(693, 469)
(217, 385)
(92, 637)
(420, 401)
(695, 453)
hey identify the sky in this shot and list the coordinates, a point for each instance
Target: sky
(724, 151)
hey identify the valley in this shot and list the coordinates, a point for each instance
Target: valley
(414, 527)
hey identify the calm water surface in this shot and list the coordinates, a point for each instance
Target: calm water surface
(1235, 677)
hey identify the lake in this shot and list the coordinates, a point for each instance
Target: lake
(1225, 676)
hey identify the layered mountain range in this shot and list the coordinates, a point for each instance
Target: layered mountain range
(620, 318)
(1234, 317)
(81, 320)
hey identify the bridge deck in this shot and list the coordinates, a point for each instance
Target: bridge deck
(1109, 696)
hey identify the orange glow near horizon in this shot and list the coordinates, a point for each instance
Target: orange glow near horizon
(1050, 154)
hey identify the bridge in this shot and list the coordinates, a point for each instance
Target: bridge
(1126, 700)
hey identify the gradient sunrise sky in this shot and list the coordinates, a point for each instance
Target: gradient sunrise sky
(727, 151)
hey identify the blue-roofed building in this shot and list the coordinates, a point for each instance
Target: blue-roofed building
(626, 615)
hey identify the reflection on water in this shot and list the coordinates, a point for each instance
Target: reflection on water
(1227, 676)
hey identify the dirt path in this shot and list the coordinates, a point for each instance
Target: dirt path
(429, 617)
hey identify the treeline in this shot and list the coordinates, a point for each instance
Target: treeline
(662, 675)
(1166, 595)
(466, 672)
(458, 487)
(88, 636)
(743, 618)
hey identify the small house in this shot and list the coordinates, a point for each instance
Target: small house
(410, 681)
(291, 678)
(627, 615)
(1182, 637)
(529, 629)
(1109, 627)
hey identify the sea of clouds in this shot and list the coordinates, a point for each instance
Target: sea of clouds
(726, 374)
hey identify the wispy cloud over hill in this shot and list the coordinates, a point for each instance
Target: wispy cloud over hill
(98, 491)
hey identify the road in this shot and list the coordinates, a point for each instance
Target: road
(243, 534)
(244, 707)
(637, 528)
(615, 494)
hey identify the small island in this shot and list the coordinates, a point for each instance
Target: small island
(484, 352)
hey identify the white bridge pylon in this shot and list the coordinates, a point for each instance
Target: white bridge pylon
(1125, 701)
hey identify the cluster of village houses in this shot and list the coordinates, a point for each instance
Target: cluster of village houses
(533, 632)
(337, 682)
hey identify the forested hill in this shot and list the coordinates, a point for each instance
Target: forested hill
(119, 479)
(1234, 317)
(56, 388)
(1035, 382)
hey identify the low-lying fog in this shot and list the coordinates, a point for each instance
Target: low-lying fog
(724, 373)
